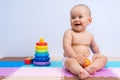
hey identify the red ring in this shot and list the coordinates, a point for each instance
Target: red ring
(41, 43)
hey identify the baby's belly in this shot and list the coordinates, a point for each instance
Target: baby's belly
(82, 49)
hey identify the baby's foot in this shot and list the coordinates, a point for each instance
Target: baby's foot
(83, 74)
(91, 69)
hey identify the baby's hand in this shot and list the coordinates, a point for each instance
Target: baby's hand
(80, 59)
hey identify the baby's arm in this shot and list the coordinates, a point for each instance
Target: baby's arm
(94, 47)
(67, 45)
(98, 60)
(68, 50)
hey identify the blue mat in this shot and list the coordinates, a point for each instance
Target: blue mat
(113, 64)
(5, 64)
(11, 63)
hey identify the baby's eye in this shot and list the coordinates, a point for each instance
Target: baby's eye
(80, 16)
(72, 17)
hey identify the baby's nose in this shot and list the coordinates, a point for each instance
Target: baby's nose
(76, 19)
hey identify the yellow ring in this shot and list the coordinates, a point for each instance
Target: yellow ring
(41, 47)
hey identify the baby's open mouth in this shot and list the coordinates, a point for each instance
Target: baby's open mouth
(77, 24)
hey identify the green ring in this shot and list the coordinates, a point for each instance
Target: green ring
(41, 51)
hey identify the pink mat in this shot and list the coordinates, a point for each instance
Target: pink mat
(116, 71)
(38, 72)
(106, 72)
(7, 71)
(60, 72)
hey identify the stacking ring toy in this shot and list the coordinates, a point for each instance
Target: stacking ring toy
(41, 47)
(43, 59)
(41, 63)
(42, 55)
(41, 51)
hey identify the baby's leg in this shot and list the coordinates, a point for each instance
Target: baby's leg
(73, 66)
(91, 69)
(99, 61)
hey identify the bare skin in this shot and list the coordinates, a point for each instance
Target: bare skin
(77, 43)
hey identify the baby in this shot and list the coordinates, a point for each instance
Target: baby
(77, 43)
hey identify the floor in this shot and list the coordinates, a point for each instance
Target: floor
(13, 68)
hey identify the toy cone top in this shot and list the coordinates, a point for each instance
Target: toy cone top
(41, 42)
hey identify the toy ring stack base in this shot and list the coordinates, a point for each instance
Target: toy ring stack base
(41, 63)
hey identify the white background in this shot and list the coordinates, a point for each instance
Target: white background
(23, 22)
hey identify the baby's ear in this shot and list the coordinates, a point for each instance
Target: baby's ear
(90, 20)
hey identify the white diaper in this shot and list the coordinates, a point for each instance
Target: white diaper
(64, 58)
(90, 57)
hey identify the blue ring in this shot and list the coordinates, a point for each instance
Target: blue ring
(41, 55)
(43, 59)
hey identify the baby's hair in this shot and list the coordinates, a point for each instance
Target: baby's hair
(84, 6)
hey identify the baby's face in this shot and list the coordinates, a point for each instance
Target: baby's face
(80, 18)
